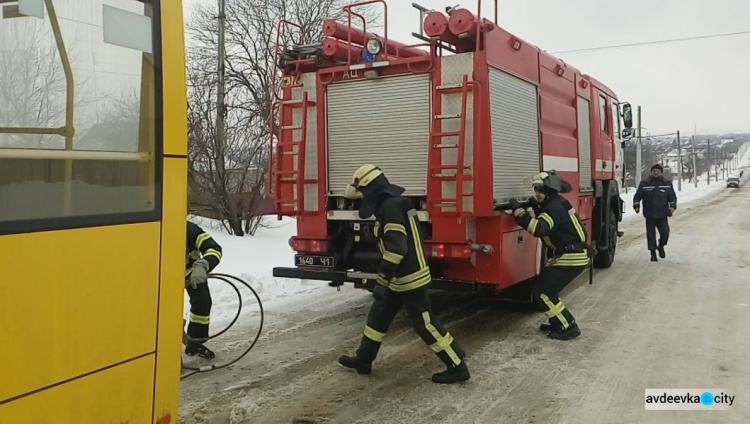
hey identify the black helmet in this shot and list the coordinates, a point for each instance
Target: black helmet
(549, 182)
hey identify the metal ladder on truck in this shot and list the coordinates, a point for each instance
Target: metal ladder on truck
(437, 145)
(292, 178)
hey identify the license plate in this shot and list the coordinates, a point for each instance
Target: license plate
(314, 261)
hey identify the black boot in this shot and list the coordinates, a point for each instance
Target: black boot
(547, 327)
(452, 375)
(196, 348)
(362, 366)
(662, 254)
(653, 256)
(570, 333)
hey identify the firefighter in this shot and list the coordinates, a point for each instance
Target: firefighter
(659, 203)
(203, 254)
(561, 230)
(403, 277)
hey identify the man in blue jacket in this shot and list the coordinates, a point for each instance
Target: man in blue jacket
(659, 203)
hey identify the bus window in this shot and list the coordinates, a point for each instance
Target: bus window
(79, 143)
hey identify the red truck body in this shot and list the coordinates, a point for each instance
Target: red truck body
(460, 132)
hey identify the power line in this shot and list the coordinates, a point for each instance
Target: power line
(673, 40)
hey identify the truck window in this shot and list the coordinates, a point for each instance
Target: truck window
(616, 123)
(603, 114)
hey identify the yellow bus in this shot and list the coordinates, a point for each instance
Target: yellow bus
(93, 197)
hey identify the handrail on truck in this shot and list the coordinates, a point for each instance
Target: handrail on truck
(270, 189)
(364, 30)
(276, 52)
(348, 10)
(479, 22)
(433, 53)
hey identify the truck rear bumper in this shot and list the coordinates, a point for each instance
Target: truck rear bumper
(361, 281)
(314, 274)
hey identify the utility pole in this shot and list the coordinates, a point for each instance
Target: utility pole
(716, 165)
(692, 144)
(724, 165)
(708, 161)
(695, 165)
(679, 162)
(638, 148)
(220, 106)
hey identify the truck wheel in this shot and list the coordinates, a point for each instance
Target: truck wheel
(605, 258)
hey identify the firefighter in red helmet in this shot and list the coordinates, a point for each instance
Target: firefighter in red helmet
(403, 277)
(560, 228)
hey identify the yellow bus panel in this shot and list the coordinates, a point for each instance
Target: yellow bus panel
(101, 311)
(118, 395)
(174, 71)
(172, 288)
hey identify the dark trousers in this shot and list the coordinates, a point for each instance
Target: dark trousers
(200, 312)
(547, 287)
(419, 310)
(651, 225)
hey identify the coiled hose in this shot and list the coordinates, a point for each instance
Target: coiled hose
(226, 278)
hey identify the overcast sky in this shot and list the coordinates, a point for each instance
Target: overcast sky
(679, 85)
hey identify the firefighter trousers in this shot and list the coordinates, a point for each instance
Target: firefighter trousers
(547, 287)
(200, 312)
(419, 310)
(662, 224)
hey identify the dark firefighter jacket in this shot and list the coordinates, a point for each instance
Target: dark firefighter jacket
(658, 196)
(559, 226)
(403, 266)
(199, 243)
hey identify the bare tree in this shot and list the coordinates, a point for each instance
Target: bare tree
(32, 87)
(231, 187)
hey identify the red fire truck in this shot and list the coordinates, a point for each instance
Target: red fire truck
(459, 121)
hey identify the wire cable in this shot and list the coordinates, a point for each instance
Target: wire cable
(206, 368)
(644, 43)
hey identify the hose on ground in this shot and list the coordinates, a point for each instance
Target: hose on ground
(226, 278)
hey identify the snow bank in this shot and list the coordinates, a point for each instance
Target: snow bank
(253, 258)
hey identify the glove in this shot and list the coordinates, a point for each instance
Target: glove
(199, 275)
(671, 211)
(514, 204)
(637, 207)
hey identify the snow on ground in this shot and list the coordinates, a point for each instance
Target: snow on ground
(253, 258)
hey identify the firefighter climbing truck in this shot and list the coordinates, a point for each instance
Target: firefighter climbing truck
(458, 121)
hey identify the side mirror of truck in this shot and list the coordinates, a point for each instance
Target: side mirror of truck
(627, 115)
(628, 133)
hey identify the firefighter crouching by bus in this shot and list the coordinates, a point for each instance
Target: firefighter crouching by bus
(203, 254)
(403, 277)
(562, 232)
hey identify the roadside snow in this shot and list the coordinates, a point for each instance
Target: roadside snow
(252, 258)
